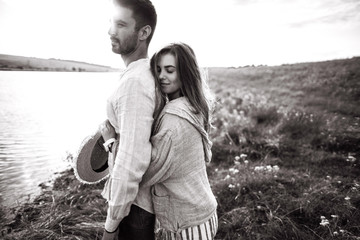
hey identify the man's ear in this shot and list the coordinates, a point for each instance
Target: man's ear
(144, 32)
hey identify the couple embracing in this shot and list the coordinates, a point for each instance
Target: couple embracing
(156, 136)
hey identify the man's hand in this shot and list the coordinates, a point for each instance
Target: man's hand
(107, 130)
(110, 236)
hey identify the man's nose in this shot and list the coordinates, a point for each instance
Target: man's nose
(111, 32)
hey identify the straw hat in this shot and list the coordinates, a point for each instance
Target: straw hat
(90, 165)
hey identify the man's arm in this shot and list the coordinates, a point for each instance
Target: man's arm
(134, 111)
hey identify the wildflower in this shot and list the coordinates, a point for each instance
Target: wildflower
(227, 177)
(335, 233)
(276, 168)
(334, 216)
(347, 198)
(236, 162)
(341, 230)
(351, 159)
(231, 186)
(233, 170)
(237, 158)
(243, 156)
(324, 221)
(246, 161)
(268, 168)
(259, 168)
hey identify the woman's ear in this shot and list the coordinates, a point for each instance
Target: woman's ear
(144, 32)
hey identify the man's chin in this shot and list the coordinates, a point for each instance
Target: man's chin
(115, 50)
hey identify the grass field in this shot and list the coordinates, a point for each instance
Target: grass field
(19, 63)
(285, 161)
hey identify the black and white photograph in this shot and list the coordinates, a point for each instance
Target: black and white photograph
(180, 120)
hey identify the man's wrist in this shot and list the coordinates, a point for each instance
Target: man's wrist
(111, 232)
(108, 144)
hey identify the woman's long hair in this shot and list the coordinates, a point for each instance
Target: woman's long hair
(193, 86)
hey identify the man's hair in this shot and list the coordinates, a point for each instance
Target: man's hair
(193, 86)
(144, 14)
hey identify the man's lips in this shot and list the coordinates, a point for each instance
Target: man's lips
(114, 41)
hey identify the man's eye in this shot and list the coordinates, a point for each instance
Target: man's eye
(120, 24)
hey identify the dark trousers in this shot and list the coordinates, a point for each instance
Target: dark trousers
(138, 225)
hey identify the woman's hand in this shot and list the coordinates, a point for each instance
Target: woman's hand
(107, 130)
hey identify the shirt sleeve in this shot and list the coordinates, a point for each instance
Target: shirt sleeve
(134, 110)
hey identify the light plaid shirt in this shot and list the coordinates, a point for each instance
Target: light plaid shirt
(130, 110)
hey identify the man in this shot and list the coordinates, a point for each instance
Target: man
(130, 111)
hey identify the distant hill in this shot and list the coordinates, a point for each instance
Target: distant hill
(19, 63)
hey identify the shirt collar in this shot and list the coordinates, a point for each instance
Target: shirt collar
(134, 64)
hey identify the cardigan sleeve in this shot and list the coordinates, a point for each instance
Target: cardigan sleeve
(161, 158)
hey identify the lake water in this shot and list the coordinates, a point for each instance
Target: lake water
(43, 117)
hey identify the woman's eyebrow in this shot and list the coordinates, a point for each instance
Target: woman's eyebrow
(169, 66)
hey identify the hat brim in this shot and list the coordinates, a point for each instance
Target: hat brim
(91, 162)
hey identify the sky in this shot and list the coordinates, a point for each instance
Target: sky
(227, 33)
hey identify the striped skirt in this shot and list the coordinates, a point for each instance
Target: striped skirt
(204, 231)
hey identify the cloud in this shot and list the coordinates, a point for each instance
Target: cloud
(243, 2)
(331, 12)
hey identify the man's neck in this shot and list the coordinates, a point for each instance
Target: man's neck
(139, 53)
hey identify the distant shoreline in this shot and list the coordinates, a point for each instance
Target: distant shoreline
(19, 63)
(20, 68)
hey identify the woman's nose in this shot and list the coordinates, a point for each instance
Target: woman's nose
(161, 76)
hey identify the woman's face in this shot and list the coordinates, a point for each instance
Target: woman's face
(168, 76)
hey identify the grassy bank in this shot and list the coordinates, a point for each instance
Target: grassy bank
(285, 161)
(19, 63)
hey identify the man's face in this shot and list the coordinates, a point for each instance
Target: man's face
(124, 37)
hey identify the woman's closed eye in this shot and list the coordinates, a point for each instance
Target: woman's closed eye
(170, 69)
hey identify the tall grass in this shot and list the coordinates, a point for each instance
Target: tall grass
(285, 161)
(299, 179)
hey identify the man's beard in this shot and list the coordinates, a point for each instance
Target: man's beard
(125, 47)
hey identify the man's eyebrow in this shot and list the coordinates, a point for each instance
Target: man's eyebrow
(120, 21)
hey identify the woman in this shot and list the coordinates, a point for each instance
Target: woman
(183, 201)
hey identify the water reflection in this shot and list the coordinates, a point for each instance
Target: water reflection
(44, 115)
